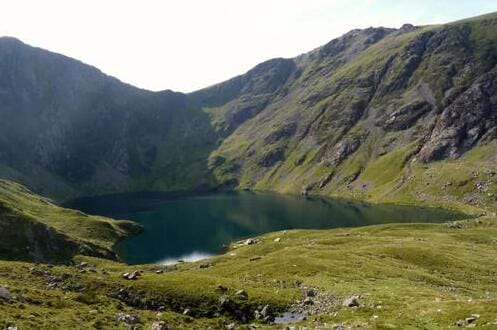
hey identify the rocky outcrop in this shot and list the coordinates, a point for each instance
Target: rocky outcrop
(406, 116)
(471, 118)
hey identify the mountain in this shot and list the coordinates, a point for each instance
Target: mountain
(70, 130)
(403, 115)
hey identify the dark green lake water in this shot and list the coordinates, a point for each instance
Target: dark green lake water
(190, 228)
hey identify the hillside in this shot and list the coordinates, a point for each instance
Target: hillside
(403, 115)
(430, 276)
(379, 114)
(388, 115)
(69, 130)
(32, 228)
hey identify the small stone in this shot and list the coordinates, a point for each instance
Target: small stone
(308, 301)
(231, 326)
(251, 241)
(5, 294)
(241, 294)
(277, 239)
(470, 319)
(265, 311)
(186, 311)
(352, 301)
(159, 271)
(226, 303)
(131, 276)
(203, 266)
(159, 325)
(127, 318)
(309, 292)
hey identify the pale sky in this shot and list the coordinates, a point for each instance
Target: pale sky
(185, 45)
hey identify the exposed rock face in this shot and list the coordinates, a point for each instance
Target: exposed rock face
(472, 117)
(406, 116)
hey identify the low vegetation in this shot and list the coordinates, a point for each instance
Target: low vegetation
(405, 276)
(32, 228)
(367, 116)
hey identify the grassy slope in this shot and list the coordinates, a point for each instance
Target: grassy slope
(384, 167)
(409, 276)
(21, 212)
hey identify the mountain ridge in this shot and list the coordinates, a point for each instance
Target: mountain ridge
(318, 123)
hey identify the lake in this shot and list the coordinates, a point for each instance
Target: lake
(191, 228)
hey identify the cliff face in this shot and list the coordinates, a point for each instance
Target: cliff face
(366, 115)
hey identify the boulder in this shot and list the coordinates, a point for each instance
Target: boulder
(251, 241)
(131, 276)
(5, 294)
(352, 301)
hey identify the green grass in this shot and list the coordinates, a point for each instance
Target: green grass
(30, 222)
(409, 276)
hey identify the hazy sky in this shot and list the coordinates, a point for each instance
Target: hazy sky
(188, 44)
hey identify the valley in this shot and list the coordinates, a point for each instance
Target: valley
(364, 174)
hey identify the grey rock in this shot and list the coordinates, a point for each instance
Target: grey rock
(309, 292)
(5, 294)
(241, 294)
(265, 311)
(308, 301)
(127, 318)
(251, 241)
(352, 301)
(131, 276)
